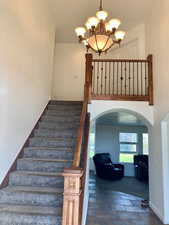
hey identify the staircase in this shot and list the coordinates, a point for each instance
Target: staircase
(34, 195)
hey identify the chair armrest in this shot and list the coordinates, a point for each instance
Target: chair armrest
(120, 166)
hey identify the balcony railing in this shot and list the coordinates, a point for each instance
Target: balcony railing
(122, 79)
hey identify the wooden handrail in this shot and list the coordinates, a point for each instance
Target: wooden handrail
(120, 60)
(74, 177)
(87, 97)
(76, 161)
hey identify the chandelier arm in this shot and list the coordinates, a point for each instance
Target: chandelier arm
(110, 46)
(96, 42)
(108, 38)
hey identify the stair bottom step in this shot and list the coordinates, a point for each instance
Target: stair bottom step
(29, 215)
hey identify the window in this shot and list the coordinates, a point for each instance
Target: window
(128, 146)
(145, 143)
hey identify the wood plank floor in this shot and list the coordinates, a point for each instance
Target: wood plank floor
(110, 207)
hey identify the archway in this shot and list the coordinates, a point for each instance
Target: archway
(145, 122)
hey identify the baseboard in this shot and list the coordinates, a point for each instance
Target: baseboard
(20, 154)
(157, 212)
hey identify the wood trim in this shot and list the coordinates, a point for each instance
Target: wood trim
(20, 154)
(150, 79)
(119, 60)
(72, 195)
(87, 99)
(120, 97)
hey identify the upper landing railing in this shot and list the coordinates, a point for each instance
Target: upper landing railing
(122, 79)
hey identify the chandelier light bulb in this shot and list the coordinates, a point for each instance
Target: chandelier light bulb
(93, 21)
(108, 27)
(120, 35)
(85, 42)
(114, 23)
(102, 15)
(80, 31)
(88, 25)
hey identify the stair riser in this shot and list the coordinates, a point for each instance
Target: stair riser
(60, 126)
(53, 133)
(39, 142)
(48, 154)
(33, 199)
(65, 107)
(53, 102)
(27, 165)
(15, 219)
(60, 119)
(62, 113)
(34, 181)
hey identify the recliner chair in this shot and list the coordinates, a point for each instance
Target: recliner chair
(106, 169)
(141, 167)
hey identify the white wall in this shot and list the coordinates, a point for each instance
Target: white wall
(157, 43)
(69, 71)
(142, 109)
(26, 48)
(107, 140)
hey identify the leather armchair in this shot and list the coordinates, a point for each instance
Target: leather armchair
(141, 167)
(106, 169)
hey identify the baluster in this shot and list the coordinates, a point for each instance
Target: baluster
(125, 78)
(133, 80)
(97, 78)
(109, 75)
(113, 79)
(129, 78)
(101, 78)
(146, 92)
(93, 78)
(141, 81)
(105, 78)
(117, 78)
(121, 78)
(137, 80)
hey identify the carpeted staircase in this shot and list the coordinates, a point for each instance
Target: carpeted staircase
(34, 195)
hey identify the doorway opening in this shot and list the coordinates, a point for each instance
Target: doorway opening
(119, 182)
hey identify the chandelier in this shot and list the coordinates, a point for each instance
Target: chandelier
(100, 35)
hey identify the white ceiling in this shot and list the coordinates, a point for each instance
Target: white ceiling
(120, 119)
(68, 14)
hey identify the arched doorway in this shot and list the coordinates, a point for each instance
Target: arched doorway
(123, 134)
(136, 121)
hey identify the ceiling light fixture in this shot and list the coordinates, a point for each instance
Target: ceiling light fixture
(100, 35)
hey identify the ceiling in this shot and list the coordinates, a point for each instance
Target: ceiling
(120, 119)
(69, 14)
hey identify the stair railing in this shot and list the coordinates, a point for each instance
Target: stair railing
(123, 79)
(74, 177)
(105, 79)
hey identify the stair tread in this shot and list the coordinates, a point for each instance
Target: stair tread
(30, 189)
(33, 210)
(37, 173)
(53, 138)
(48, 148)
(46, 160)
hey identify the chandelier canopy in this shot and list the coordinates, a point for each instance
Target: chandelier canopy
(100, 35)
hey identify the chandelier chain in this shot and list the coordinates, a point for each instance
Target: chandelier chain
(101, 5)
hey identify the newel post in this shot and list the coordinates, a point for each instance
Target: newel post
(71, 198)
(150, 79)
(88, 76)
